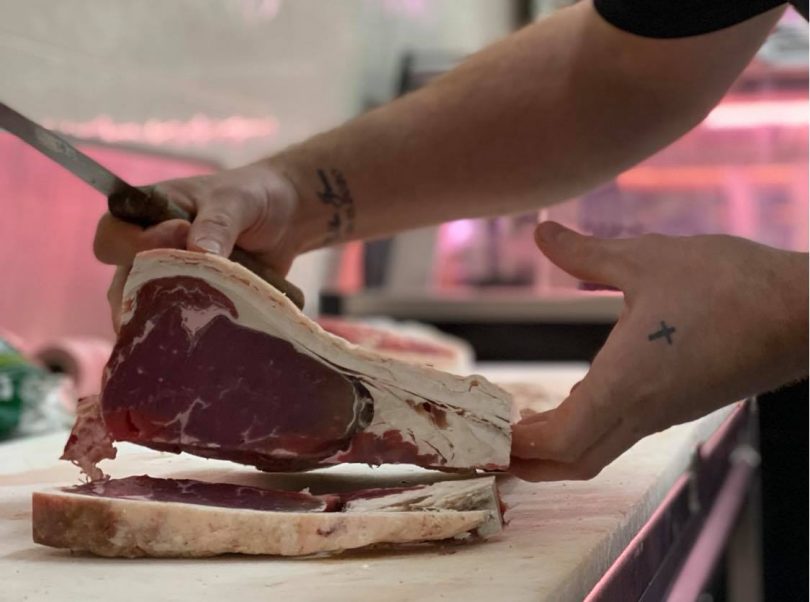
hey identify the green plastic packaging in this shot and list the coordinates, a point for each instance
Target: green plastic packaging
(20, 383)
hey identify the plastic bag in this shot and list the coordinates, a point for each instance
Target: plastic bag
(32, 400)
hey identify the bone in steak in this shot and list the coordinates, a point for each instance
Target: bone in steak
(143, 516)
(213, 361)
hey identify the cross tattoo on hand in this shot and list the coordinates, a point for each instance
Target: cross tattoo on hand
(665, 332)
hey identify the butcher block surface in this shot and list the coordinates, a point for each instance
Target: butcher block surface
(560, 539)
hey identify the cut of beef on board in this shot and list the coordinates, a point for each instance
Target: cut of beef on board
(213, 361)
(143, 516)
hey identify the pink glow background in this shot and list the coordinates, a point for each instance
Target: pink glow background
(743, 171)
(50, 283)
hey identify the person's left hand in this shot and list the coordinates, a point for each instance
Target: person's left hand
(708, 320)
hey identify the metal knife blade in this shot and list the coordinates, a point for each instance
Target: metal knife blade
(61, 151)
(142, 206)
(126, 202)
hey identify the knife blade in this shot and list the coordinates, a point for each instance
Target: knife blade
(143, 206)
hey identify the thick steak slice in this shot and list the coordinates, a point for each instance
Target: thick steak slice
(142, 516)
(213, 361)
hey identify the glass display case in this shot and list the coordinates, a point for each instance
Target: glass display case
(743, 171)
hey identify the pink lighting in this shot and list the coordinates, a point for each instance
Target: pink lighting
(458, 233)
(56, 288)
(407, 8)
(197, 131)
(678, 177)
(763, 113)
(265, 10)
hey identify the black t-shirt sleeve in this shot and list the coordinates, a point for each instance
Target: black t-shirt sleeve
(682, 18)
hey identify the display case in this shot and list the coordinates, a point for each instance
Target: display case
(742, 171)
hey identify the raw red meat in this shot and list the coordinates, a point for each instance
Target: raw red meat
(142, 516)
(225, 495)
(214, 362)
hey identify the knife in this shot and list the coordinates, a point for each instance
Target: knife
(143, 206)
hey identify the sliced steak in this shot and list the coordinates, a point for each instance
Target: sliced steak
(143, 516)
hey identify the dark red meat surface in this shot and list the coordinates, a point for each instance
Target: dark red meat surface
(185, 377)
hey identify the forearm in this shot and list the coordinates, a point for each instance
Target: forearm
(539, 117)
(763, 304)
(791, 356)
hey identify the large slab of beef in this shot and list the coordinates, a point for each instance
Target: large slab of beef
(144, 516)
(212, 361)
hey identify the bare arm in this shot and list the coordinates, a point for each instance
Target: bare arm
(539, 117)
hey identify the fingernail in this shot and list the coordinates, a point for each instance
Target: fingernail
(210, 245)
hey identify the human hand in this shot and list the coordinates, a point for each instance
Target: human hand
(254, 207)
(707, 320)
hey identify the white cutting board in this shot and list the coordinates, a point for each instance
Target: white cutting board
(560, 539)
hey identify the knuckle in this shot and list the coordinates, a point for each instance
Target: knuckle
(218, 219)
(182, 187)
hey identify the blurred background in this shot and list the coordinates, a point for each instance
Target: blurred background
(159, 90)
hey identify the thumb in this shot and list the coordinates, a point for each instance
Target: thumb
(216, 228)
(117, 242)
(602, 261)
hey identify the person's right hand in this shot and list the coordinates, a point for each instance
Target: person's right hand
(254, 207)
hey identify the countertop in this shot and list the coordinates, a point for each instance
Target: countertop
(560, 539)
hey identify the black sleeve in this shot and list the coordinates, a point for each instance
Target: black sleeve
(681, 18)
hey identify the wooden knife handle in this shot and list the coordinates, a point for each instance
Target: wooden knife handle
(145, 206)
(295, 294)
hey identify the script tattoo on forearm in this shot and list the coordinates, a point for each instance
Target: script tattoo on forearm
(335, 193)
(664, 332)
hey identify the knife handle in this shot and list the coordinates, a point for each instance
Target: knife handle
(150, 207)
(295, 294)
(145, 207)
